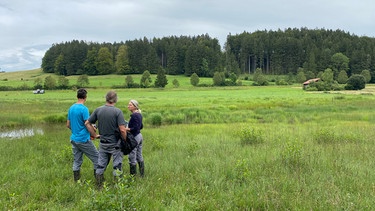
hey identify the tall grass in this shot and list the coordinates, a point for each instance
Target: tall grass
(239, 148)
(200, 167)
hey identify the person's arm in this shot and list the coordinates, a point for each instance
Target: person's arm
(122, 131)
(91, 129)
(68, 124)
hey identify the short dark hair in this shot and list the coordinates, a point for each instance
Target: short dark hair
(81, 93)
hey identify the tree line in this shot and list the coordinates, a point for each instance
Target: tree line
(280, 52)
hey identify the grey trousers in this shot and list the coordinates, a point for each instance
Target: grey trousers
(106, 151)
(136, 155)
(88, 148)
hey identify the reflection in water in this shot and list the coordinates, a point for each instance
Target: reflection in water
(21, 133)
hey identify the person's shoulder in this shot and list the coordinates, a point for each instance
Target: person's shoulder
(136, 114)
(117, 109)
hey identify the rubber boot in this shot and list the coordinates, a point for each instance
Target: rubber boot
(77, 175)
(99, 180)
(141, 168)
(133, 170)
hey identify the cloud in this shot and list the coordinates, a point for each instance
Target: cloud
(26, 24)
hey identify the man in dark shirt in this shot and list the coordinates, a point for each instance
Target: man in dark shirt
(111, 124)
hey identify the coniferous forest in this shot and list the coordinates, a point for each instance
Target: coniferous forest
(274, 52)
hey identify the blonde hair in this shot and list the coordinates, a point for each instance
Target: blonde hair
(136, 105)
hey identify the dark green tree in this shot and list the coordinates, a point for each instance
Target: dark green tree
(59, 67)
(89, 66)
(339, 62)
(104, 61)
(367, 75)
(301, 76)
(161, 79)
(122, 60)
(342, 78)
(356, 82)
(309, 74)
(327, 76)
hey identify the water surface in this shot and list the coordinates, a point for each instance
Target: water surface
(21, 133)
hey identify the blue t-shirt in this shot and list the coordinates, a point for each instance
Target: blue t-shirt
(77, 115)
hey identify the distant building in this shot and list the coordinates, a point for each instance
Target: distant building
(306, 83)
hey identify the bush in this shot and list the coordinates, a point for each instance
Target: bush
(219, 79)
(291, 153)
(251, 136)
(194, 79)
(325, 136)
(356, 82)
(155, 119)
(55, 119)
(175, 83)
(281, 82)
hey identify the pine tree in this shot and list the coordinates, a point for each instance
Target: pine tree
(161, 79)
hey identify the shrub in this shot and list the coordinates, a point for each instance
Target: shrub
(194, 79)
(55, 119)
(356, 82)
(155, 119)
(175, 83)
(242, 170)
(251, 136)
(219, 79)
(281, 82)
(324, 136)
(291, 153)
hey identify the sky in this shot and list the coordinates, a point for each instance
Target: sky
(30, 27)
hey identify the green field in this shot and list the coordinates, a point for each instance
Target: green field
(216, 148)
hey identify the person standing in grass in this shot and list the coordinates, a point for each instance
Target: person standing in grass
(111, 124)
(134, 127)
(78, 113)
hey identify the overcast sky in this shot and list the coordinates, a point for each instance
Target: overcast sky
(29, 27)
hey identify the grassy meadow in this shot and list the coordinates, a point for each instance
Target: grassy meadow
(214, 148)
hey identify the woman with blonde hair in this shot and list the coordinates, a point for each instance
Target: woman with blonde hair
(135, 126)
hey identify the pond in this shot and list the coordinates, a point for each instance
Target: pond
(21, 133)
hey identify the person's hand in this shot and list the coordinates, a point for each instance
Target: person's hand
(95, 137)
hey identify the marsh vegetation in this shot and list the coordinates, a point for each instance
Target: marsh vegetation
(228, 148)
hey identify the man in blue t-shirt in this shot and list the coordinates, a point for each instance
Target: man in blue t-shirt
(80, 138)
